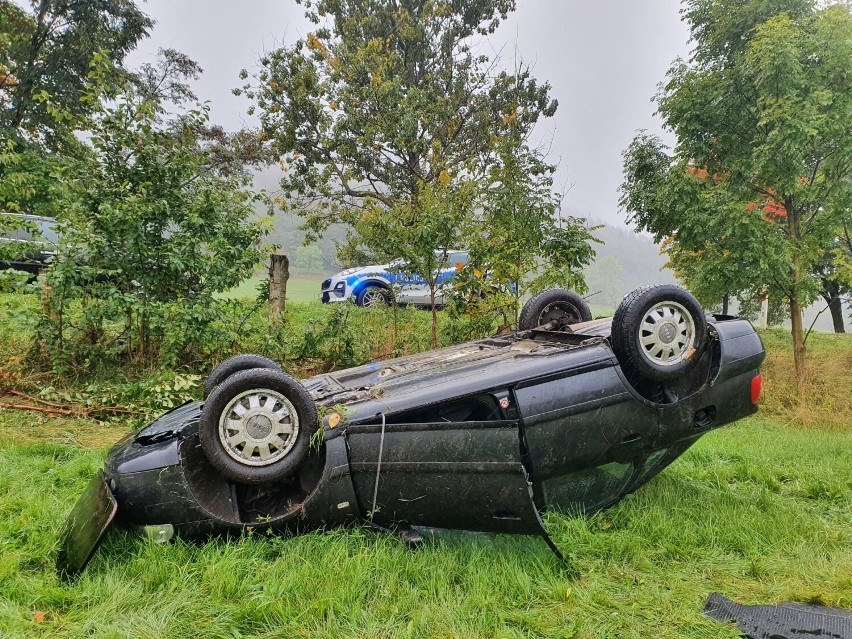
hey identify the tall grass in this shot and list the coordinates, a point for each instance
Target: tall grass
(825, 400)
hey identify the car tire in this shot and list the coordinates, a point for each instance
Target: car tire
(256, 426)
(559, 304)
(373, 296)
(658, 332)
(236, 364)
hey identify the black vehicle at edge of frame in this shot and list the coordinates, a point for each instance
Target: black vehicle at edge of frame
(566, 414)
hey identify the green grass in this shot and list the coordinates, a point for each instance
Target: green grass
(760, 511)
(301, 288)
(756, 511)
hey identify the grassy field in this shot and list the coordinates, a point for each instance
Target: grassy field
(756, 511)
(301, 288)
(760, 511)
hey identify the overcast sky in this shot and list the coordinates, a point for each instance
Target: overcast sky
(603, 59)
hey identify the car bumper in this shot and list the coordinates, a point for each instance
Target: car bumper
(333, 296)
(86, 526)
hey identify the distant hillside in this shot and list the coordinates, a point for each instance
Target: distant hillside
(625, 261)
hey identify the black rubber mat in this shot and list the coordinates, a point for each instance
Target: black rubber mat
(782, 621)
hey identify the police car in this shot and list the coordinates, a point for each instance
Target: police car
(380, 284)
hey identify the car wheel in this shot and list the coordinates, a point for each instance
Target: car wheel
(555, 304)
(373, 296)
(236, 364)
(658, 332)
(256, 426)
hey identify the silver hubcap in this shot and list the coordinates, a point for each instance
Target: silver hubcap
(258, 427)
(667, 333)
(374, 297)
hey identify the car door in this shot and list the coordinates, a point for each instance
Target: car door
(413, 289)
(587, 434)
(455, 261)
(452, 466)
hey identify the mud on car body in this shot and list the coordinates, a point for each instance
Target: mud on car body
(566, 414)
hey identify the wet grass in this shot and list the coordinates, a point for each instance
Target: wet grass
(757, 511)
(760, 511)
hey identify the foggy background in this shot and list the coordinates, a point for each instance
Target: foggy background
(603, 59)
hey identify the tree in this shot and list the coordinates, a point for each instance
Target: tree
(423, 231)
(148, 234)
(45, 59)
(47, 56)
(308, 258)
(834, 286)
(383, 99)
(760, 172)
(520, 243)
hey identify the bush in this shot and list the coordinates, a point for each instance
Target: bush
(12, 280)
(148, 234)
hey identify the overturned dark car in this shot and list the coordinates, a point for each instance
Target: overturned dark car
(567, 414)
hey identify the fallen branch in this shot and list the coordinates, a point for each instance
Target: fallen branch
(55, 408)
(40, 409)
(35, 399)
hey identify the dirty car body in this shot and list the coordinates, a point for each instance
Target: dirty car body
(484, 436)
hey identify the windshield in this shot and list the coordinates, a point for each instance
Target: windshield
(36, 230)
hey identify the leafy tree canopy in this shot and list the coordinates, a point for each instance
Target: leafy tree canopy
(520, 242)
(45, 56)
(758, 181)
(384, 97)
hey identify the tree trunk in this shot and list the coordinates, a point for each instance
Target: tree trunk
(835, 307)
(725, 299)
(434, 315)
(798, 340)
(279, 273)
(831, 294)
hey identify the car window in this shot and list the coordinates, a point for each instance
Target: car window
(587, 490)
(457, 258)
(47, 229)
(25, 235)
(478, 408)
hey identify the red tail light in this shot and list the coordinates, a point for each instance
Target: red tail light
(756, 388)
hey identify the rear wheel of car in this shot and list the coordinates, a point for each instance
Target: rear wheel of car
(236, 364)
(256, 426)
(373, 296)
(554, 305)
(658, 332)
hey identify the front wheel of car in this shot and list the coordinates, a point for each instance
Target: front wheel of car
(256, 426)
(560, 306)
(658, 332)
(373, 296)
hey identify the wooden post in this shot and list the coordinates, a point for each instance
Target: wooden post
(279, 273)
(763, 318)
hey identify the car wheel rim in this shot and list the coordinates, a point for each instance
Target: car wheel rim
(258, 427)
(374, 297)
(667, 333)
